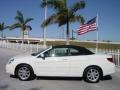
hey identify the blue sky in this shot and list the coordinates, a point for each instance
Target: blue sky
(108, 12)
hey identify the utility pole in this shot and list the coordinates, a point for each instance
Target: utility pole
(62, 33)
(73, 34)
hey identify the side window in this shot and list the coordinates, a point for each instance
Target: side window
(74, 52)
(57, 52)
(80, 51)
(61, 51)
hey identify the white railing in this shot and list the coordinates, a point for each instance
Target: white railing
(22, 47)
(36, 47)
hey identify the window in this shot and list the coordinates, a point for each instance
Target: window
(70, 51)
(79, 51)
(74, 52)
(61, 51)
(57, 52)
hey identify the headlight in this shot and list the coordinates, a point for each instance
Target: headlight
(10, 61)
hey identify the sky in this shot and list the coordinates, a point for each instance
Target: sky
(108, 18)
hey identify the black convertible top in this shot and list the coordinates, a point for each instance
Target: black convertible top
(67, 46)
(81, 49)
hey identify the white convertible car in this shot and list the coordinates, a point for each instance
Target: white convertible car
(62, 61)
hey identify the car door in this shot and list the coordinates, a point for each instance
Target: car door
(77, 62)
(55, 63)
(45, 67)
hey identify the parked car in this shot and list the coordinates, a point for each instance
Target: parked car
(62, 61)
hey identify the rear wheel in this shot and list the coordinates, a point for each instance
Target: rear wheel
(92, 74)
(24, 72)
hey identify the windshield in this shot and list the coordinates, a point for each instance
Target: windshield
(36, 53)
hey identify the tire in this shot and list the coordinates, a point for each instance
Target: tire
(92, 74)
(24, 72)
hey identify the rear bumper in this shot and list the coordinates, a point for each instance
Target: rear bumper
(109, 70)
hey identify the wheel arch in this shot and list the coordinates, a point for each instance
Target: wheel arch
(101, 71)
(15, 72)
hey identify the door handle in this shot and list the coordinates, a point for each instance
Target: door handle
(65, 59)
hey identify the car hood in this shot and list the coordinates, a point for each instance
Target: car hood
(25, 55)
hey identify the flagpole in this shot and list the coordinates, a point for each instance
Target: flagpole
(97, 33)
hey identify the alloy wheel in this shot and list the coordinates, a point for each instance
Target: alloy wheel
(24, 73)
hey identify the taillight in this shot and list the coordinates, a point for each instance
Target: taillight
(110, 59)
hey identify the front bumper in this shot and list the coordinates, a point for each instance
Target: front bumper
(10, 68)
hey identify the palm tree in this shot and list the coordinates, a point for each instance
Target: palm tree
(63, 13)
(2, 28)
(21, 23)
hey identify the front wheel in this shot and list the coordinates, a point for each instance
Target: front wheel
(24, 72)
(92, 74)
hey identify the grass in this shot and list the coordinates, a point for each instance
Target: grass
(85, 44)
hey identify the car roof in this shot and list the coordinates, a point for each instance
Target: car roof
(68, 46)
(73, 46)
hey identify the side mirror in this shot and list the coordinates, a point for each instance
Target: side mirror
(41, 56)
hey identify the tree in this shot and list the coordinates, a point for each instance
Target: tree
(21, 23)
(2, 28)
(63, 13)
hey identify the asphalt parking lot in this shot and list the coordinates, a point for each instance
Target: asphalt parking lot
(46, 83)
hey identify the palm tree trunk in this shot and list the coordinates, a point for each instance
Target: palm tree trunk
(2, 34)
(68, 34)
(68, 31)
(22, 36)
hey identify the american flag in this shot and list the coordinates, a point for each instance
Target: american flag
(91, 25)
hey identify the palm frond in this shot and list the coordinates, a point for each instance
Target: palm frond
(28, 20)
(77, 6)
(16, 25)
(63, 17)
(78, 18)
(55, 4)
(30, 28)
(60, 18)
(52, 19)
(6, 27)
(3, 26)
(19, 16)
(19, 19)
